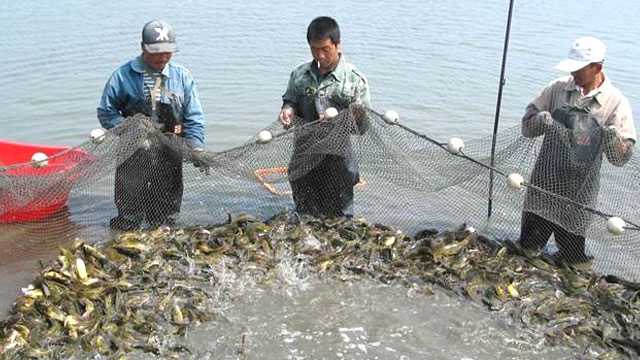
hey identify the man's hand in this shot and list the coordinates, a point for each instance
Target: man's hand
(200, 162)
(547, 124)
(360, 116)
(286, 117)
(536, 122)
(617, 149)
(544, 119)
(611, 137)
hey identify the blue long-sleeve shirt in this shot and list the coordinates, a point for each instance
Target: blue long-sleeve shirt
(124, 91)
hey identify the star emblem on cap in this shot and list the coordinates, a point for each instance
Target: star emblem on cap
(163, 33)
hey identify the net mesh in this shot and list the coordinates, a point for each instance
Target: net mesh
(404, 179)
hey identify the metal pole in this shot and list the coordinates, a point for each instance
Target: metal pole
(498, 103)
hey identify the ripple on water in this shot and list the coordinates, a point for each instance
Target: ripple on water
(359, 319)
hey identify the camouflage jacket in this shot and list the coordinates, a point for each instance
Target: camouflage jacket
(309, 96)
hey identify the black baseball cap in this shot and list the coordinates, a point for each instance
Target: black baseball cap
(158, 37)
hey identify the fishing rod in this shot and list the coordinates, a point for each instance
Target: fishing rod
(498, 103)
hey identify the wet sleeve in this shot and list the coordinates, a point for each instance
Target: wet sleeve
(542, 102)
(622, 119)
(193, 123)
(290, 97)
(361, 99)
(530, 128)
(110, 103)
(619, 147)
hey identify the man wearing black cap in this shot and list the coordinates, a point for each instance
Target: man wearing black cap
(148, 184)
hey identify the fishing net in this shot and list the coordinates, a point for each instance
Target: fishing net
(236, 216)
(396, 175)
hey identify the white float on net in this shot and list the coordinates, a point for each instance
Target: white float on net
(391, 116)
(330, 113)
(515, 180)
(455, 146)
(616, 225)
(39, 160)
(265, 136)
(97, 136)
(145, 144)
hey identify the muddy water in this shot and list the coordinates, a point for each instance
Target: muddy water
(358, 319)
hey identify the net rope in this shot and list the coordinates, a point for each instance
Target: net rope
(407, 179)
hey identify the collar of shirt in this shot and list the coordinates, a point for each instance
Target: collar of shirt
(595, 93)
(339, 73)
(140, 67)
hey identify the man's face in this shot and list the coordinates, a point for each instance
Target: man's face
(325, 52)
(156, 61)
(587, 75)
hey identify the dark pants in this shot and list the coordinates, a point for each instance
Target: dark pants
(149, 184)
(326, 190)
(535, 232)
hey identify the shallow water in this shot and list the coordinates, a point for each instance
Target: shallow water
(358, 319)
(364, 320)
(436, 63)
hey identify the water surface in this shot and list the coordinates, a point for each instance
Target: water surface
(435, 62)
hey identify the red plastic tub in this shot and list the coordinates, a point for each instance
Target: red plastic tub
(15, 158)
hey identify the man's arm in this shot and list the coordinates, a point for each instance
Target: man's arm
(110, 104)
(289, 99)
(361, 100)
(617, 149)
(537, 114)
(620, 134)
(362, 95)
(193, 122)
(534, 121)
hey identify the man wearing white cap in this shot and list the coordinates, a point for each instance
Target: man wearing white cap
(581, 117)
(148, 184)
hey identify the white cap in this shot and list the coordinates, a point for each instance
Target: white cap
(584, 51)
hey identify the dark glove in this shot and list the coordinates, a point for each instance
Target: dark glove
(537, 124)
(617, 149)
(200, 161)
(543, 119)
(546, 123)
